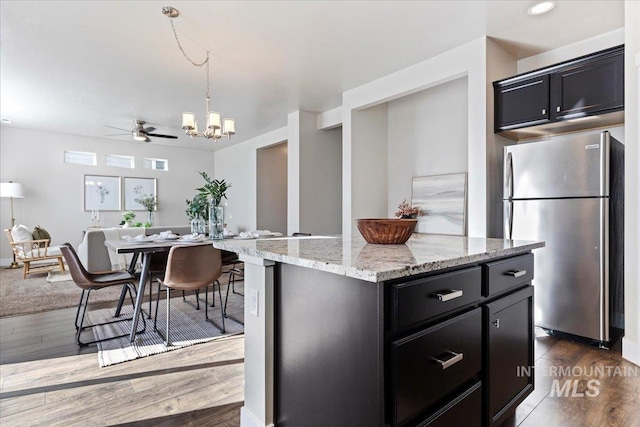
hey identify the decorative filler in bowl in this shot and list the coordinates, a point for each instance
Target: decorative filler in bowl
(407, 211)
(386, 231)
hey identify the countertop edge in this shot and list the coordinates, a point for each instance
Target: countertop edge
(372, 276)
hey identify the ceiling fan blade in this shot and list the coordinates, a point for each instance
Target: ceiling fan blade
(118, 134)
(158, 135)
(113, 127)
(149, 129)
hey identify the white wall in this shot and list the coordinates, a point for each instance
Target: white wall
(320, 154)
(313, 176)
(237, 165)
(368, 168)
(271, 190)
(500, 65)
(54, 190)
(466, 60)
(565, 53)
(427, 135)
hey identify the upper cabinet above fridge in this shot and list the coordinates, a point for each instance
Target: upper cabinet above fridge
(583, 93)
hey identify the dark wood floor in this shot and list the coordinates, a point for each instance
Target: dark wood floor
(615, 397)
(46, 381)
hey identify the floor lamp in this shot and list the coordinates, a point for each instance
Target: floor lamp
(12, 190)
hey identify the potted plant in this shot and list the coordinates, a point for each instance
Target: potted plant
(197, 207)
(127, 219)
(149, 201)
(197, 212)
(215, 190)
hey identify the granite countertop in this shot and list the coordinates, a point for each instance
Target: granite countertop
(355, 258)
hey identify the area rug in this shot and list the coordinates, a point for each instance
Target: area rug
(58, 276)
(188, 327)
(34, 294)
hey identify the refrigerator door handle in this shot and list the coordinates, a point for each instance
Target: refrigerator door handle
(511, 220)
(509, 176)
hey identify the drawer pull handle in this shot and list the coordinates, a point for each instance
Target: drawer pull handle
(448, 295)
(448, 359)
(516, 273)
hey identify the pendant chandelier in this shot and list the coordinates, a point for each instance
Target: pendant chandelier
(215, 127)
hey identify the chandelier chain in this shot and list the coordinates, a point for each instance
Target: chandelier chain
(197, 64)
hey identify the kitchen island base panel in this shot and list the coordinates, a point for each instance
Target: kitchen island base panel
(329, 336)
(258, 358)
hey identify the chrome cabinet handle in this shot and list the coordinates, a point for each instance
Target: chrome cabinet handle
(558, 108)
(496, 323)
(447, 295)
(544, 111)
(516, 273)
(448, 359)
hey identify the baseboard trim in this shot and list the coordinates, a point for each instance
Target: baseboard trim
(247, 419)
(631, 351)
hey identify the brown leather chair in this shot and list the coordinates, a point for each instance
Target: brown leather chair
(92, 281)
(190, 268)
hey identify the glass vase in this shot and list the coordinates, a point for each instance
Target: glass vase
(150, 218)
(198, 225)
(216, 222)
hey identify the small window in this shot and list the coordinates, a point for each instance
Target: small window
(157, 164)
(120, 161)
(80, 158)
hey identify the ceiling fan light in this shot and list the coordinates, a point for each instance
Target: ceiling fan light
(213, 121)
(229, 127)
(188, 121)
(139, 136)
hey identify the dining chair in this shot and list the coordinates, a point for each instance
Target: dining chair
(190, 268)
(157, 267)
(93, 281)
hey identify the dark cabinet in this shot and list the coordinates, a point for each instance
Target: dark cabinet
(509, 358)
(593, 87)
(542, 99)
(419, 301)
(460, 344)
(524, 103)
(434, 362)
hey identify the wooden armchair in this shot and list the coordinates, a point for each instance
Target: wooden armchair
(38, 252)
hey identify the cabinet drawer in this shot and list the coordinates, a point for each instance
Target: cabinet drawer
(464, 410)
(432, 363)
(415, 302)
(505, 274)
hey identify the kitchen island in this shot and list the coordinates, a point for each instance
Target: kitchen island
(344, 333)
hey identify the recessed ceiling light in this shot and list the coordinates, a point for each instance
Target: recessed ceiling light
(541, 8)
(5, 120)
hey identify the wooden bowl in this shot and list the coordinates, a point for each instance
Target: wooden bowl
(386, 231)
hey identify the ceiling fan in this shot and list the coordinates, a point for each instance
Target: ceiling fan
(140, 133)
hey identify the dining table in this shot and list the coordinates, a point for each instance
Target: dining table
(146, 249)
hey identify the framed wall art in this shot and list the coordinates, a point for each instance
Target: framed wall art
(102, 193)
(443, 200)
(136, 189)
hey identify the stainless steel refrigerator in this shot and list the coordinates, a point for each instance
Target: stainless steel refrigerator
(569, 192)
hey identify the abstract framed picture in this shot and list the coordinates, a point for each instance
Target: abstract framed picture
(102, 193)
(137, 188)
(443, 200)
